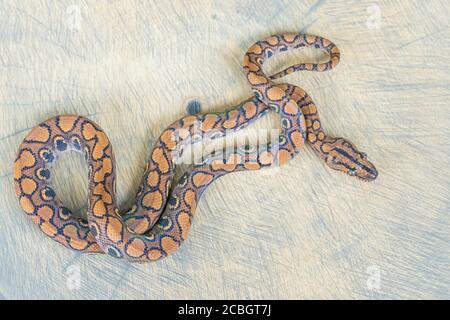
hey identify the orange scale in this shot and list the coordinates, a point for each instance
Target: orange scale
(46, 212)
(100, 146)
(26, 205)
(326, 148)
(291, 108)
(25, 160)
(135, 248)
(316, 125)
(138, 225)
(256, 48)
(169, 139)
(184, 222)
(154, 254)
(70, 231)
(312, 109)
(311, 138)
(310, 39)
(160, 160)
(99, 209)
(189, 198)
(28, 185)
(217, 165)
(273, 40)
(255, 80)
(169, 245)
(209, 122)
(252, 66)
(39, 134)
(100, 190)
(78, 244)
(189, 120)
(297, 139)
(67, 123)
(114, 229)
(105, 169)
(48, 228)
(283, 157)
(88, 131)
(153, 178)
(289, 37)
(250, 109)
(266, 158)
(251, 165)
(275, 93)
(321, 136)
(153, 199)
(201, 179)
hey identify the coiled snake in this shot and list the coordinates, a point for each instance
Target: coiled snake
(160, 220)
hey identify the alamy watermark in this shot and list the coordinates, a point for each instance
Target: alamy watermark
(74, 17)
(73, 280)
(374, 19)
(257, 146)
(373, 281)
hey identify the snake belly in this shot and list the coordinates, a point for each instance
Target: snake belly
(160, 220)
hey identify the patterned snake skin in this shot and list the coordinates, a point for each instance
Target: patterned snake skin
(160, 220)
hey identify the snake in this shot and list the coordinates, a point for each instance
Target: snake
(162, 214)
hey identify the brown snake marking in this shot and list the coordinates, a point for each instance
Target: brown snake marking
(160, 220)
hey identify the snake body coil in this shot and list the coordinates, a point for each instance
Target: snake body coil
(160, 220)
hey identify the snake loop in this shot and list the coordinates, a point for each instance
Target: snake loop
(160, 220)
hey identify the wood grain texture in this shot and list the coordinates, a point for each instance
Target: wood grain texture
(301, 231)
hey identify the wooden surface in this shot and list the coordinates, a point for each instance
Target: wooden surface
(301, 231)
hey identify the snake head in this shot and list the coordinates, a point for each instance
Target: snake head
(342, 155)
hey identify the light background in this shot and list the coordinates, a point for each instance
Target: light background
(303, 231)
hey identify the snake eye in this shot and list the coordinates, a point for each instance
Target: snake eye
(274, 107)
(183, 180)
(269, 53)
(140, 190)
(148, 236)
(282, 140)
(94, 229)
(60, 143)
(352, 172)
(165, 223)
(83, 222)
(132, 210)
(173, 202)
(76, 142)
(257, 94)
(47, 194)
(86, 153)
(259, 60)
(64, 213)
(43, 174)
(285, 123)
(114, 252)
(46, 155)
